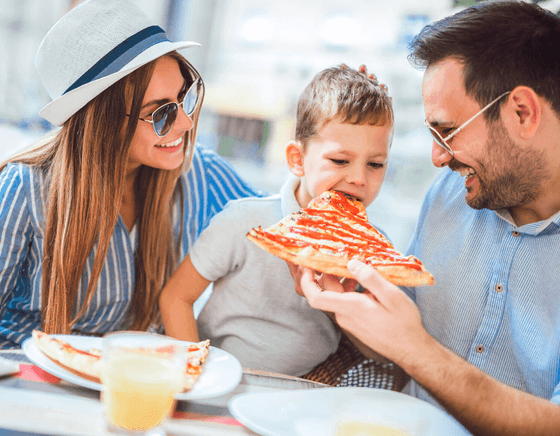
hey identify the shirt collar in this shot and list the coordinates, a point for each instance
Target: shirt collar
(288, 196)
(537, 227)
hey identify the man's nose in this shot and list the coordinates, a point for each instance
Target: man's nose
(440, 157)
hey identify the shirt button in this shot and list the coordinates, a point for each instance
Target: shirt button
(479, 349)
(516, 234)
(499, 288)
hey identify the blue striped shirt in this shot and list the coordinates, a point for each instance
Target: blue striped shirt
(496, 301)
(208, 186)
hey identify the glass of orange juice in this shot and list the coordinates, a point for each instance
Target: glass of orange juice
(141, 373)
(364, 428)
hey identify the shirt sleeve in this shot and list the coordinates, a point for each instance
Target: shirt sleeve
(220, 249)
(210, 183)
(15, 233)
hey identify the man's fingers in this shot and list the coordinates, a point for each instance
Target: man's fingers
(349, 285)
(332, 283)
(327, 301)
(293, 269)
(369, 278)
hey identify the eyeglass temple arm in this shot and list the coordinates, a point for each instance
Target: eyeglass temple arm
(474, 116)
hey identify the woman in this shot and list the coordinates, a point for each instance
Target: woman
(95, 218)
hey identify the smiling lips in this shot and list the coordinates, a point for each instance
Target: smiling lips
(468, 175)
(171, 146)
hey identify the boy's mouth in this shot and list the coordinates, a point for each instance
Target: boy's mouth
(350, 196)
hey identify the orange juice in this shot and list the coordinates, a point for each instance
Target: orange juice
(139, 390)
(362, 428)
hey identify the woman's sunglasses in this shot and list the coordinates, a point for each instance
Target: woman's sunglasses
(165, 116)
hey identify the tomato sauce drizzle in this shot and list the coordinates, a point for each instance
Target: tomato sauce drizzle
(325, 226)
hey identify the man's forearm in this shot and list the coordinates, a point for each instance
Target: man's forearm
(482, 404)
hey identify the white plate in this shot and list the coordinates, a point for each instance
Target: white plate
(314, 412)
(222, 371)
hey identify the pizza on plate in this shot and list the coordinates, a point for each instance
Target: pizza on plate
(87, 363)
(332, 230)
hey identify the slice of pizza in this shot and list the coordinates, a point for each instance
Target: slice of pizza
(87, 363)
(79, 362)
(332, 230)
(196, 357)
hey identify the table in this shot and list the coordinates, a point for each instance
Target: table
(35, 403)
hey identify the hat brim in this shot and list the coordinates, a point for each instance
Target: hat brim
(59, 110)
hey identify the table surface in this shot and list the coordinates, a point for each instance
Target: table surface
(49, 406)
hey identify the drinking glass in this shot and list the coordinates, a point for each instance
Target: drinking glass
(141, 372)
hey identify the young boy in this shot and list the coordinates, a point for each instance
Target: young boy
(343, 134)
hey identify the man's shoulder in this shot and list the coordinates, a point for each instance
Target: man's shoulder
(447, 192)
(449, 184)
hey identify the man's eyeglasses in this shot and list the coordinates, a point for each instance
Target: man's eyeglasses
(165, 116)
(442, 142)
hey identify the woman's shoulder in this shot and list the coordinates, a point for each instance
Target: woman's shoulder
(211, 172)
(20, 174)
(22, 187)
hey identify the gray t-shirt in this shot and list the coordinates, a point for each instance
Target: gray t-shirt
(254, 312)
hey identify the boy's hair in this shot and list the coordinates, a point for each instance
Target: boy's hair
(502, 45)
(345, 94)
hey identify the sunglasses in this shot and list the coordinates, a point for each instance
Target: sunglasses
(165, 116)
(442, 142)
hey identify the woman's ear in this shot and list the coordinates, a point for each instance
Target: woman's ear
(525, 113)
(294, 157)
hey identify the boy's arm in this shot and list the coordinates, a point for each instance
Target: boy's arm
(177, 299)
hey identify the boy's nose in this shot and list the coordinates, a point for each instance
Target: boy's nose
(356, 175)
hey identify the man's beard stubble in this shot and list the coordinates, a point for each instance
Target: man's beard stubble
(509, 176)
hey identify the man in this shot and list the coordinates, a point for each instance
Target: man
(484, 342)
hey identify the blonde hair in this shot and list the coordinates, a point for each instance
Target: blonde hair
(345, 94)
(85, 163)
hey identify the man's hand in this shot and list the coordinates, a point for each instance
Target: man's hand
(321, 281)
(383, 317)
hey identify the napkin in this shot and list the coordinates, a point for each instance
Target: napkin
(7, 367)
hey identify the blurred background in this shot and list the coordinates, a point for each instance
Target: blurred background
(256, 58)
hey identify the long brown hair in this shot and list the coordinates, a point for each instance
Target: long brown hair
(86, 163)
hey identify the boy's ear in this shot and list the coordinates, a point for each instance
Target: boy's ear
(294, 157)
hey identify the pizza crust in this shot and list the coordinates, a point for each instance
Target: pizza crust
(83, 364)
(400, 275)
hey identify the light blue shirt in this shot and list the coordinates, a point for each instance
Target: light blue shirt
(208, 186)
(496, 301)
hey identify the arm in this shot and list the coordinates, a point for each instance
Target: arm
(16, 235)
(386, 320)
(177, 299)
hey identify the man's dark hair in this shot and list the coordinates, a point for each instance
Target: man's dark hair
(502, 45)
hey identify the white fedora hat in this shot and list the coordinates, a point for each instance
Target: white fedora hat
(93, 46)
